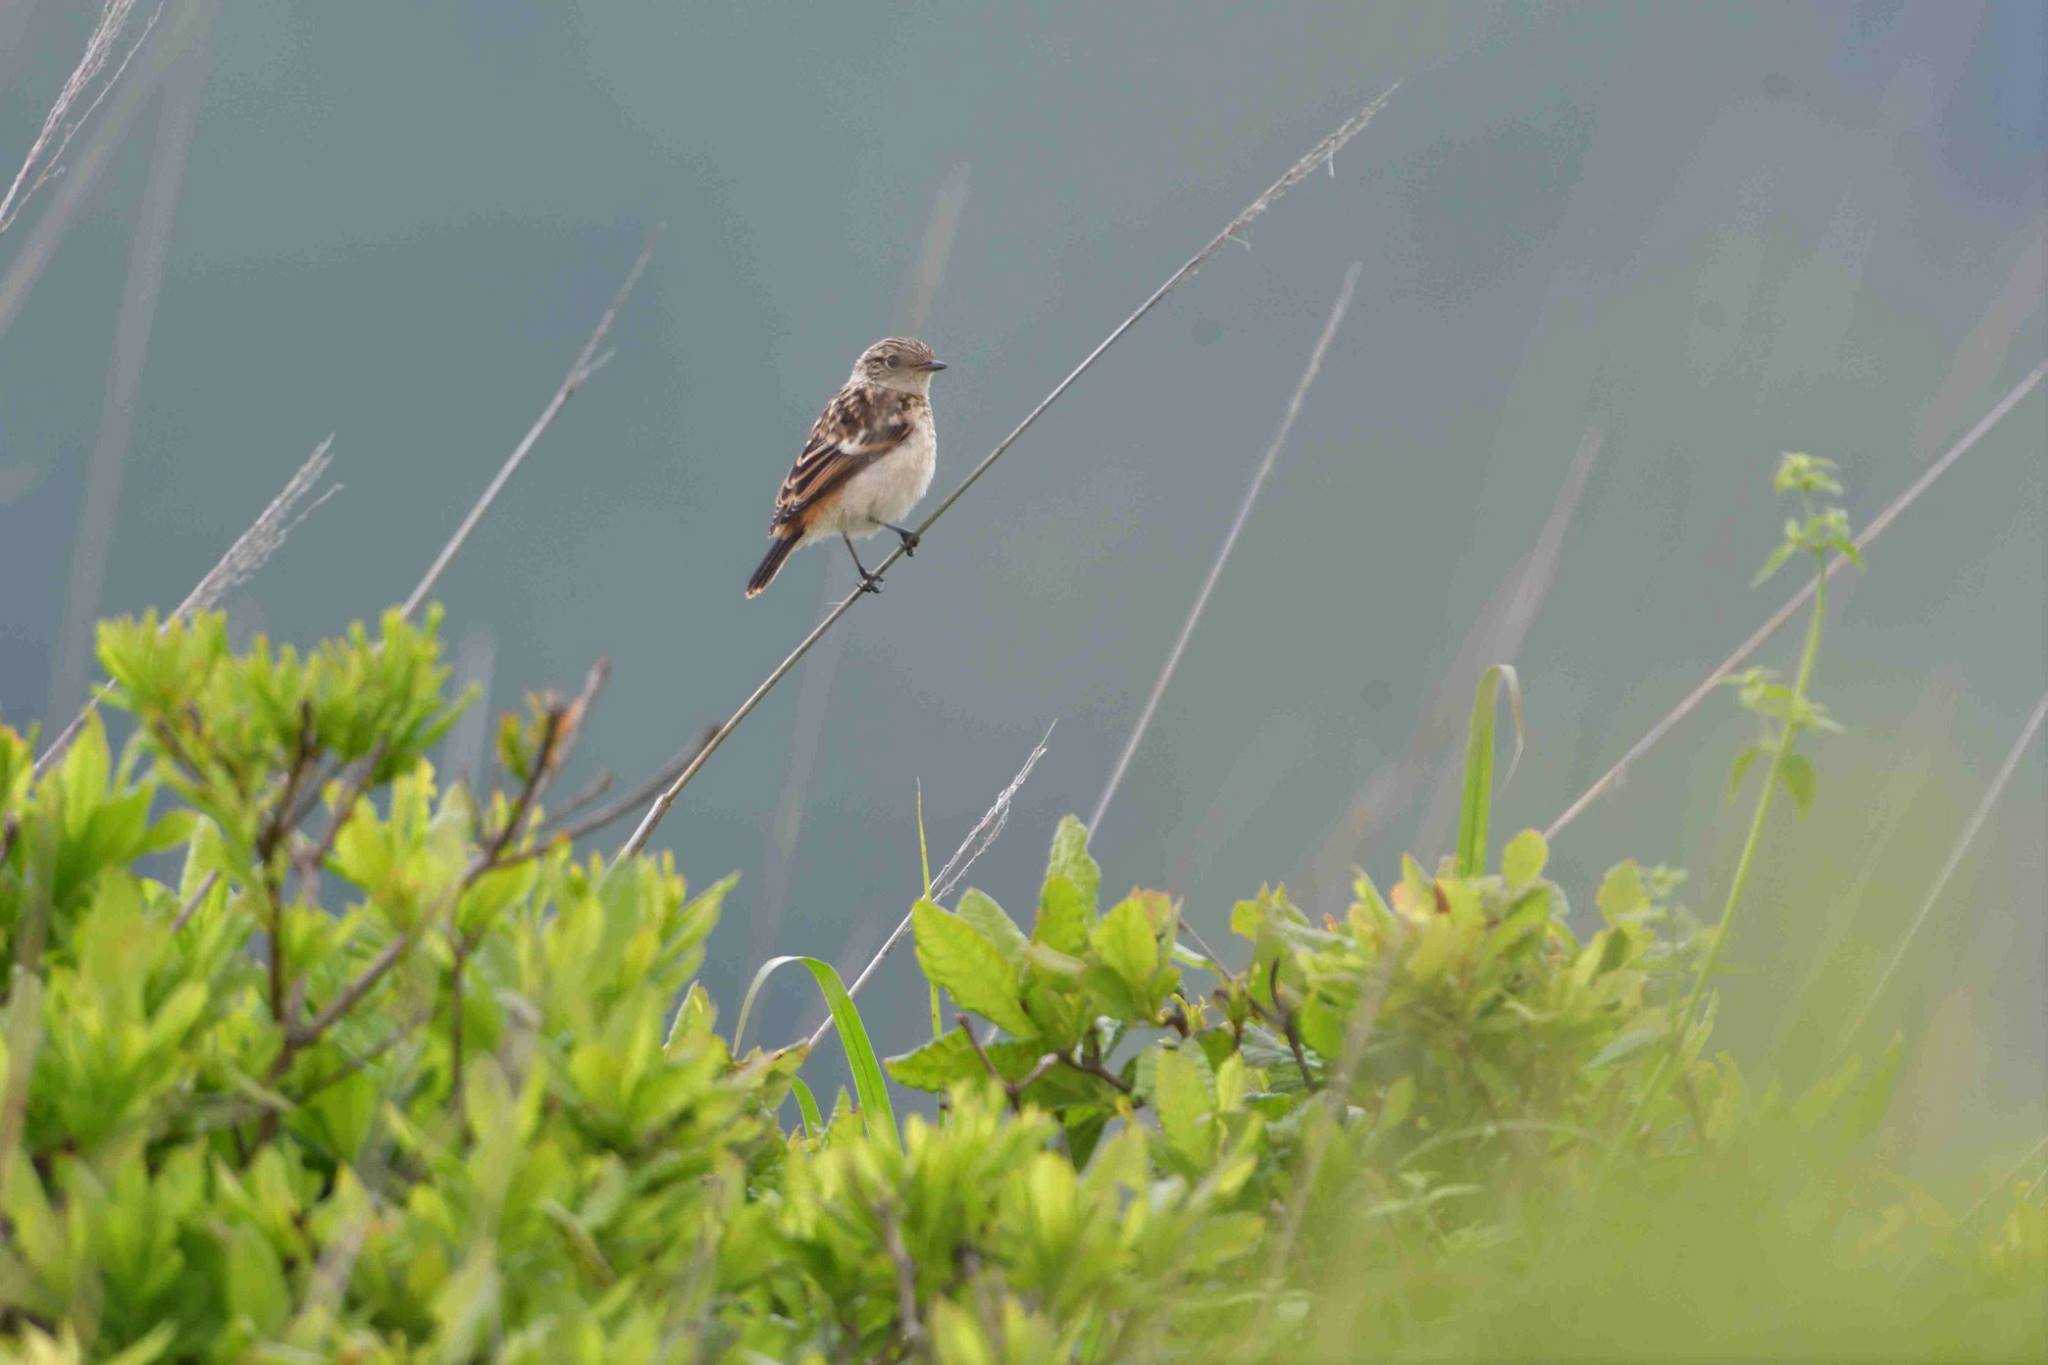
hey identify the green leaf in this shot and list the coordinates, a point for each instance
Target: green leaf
(1796, 772)
(1070, 859)
(1786, 549)
(1739, 769)
(1123, 940)
(984, 914)
(1067, 900)
(868, 1086)
(960, 959)
(1184, 1091)
(1476, 810)
(1621, 891)
(1521, 862)
(1628, 1044)
(938, 1064)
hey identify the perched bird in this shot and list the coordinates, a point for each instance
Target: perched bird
(868, 460)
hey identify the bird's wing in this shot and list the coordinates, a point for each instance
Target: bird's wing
(858, 427)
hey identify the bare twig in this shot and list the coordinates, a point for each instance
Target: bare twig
(1798, 599)
(558, 732)
(1955, 859)
(1244, 512)
(1316, 157)
(627, 802)
(586, 364)
(311, 857)
(194, 901)
(251, 550)
(84, 87)
(973, 846)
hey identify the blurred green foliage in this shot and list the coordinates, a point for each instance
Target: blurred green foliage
(381, 1070)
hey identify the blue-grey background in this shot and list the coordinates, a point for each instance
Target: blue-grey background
(1710, 233)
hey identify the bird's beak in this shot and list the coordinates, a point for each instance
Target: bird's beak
(932, 366)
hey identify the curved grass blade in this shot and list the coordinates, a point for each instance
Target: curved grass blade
(1475, 812)
(869, 1089)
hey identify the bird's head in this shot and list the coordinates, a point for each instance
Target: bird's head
(898, 363)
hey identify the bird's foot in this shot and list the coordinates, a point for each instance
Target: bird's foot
(870, 582)
(911, 539)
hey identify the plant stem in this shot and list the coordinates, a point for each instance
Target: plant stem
(1653, 1088)
(1808, 654)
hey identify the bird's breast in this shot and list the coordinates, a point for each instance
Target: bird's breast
(887, 489)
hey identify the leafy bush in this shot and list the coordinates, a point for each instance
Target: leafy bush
(379, 1069)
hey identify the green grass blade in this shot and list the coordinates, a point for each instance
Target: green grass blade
(1475, 812)
(807, 1104)
(869, 1089)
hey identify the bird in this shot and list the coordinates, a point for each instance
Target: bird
(868, 460)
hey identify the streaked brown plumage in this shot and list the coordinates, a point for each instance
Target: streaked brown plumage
(869, 458)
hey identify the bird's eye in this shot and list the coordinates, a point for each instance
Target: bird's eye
(893, 362)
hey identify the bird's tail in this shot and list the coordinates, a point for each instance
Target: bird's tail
(771, 564)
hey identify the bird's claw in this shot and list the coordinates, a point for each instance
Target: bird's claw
(911, 539)
(870, 583)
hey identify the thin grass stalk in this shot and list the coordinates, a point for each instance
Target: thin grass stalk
(60, 125)
(972, 847)
(586, 364)
(1653, 1087)
(148, 257)
(251, 551)
(1785, 613)
(1244, 512)
(814, 693)
(1318, 156)
(1956, 855)
(74, 188)
(1497, 635)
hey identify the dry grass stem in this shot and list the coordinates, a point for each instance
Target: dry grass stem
(1798, 599)
(588, 361)
(81, 173)
(972, 847)
(1971, 830)
(814, 693)
(1244, 512)
(142, 287)
(80, 97)
(1318, 156)
(251, 551)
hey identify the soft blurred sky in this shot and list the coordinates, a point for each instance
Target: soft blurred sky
(1712, 232)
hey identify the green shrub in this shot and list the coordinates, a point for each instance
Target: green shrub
(380, 1070)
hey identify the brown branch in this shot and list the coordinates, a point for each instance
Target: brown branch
(1089, 1066)
(558, 726)
(267, 840)
(1798, 599)
(1318, 156)
(627, 802)
(587, 363)
(313, 856)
